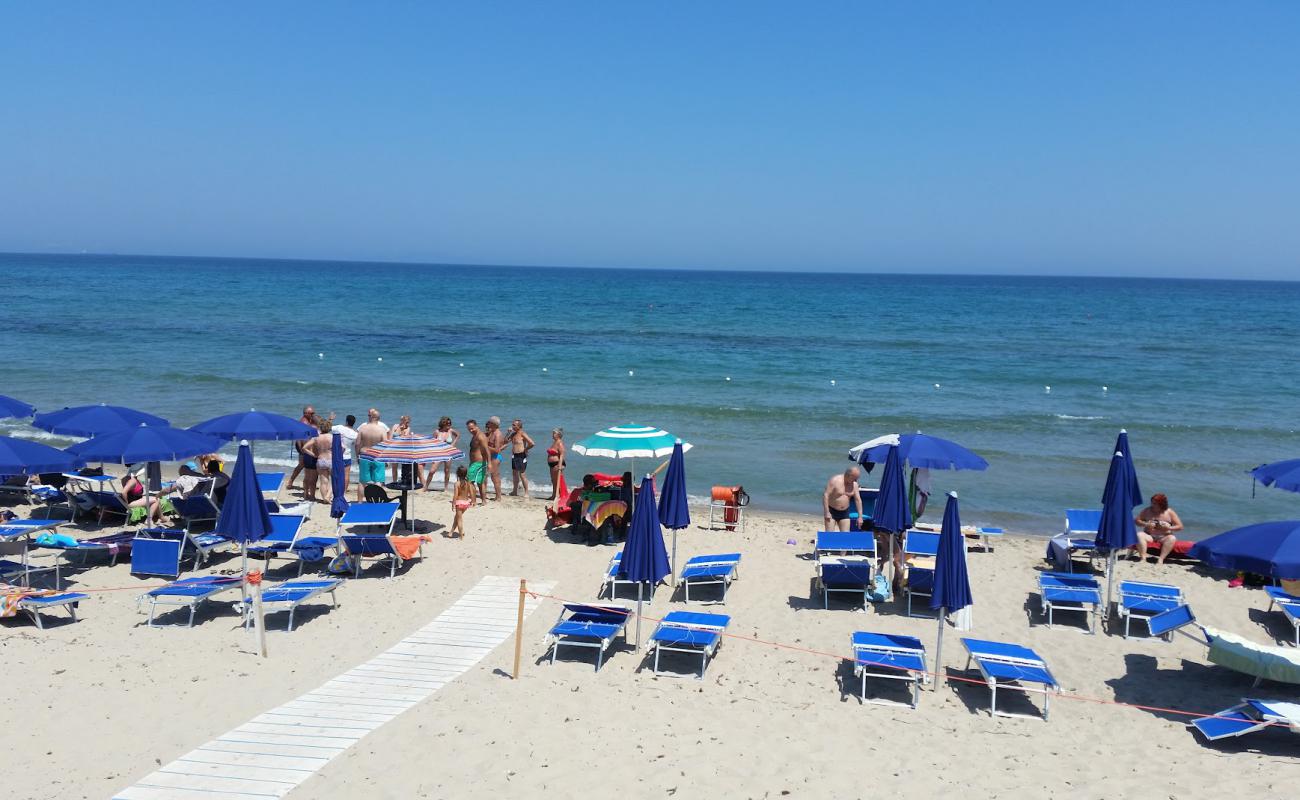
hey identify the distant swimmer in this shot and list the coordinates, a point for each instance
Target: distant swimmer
(841, 494)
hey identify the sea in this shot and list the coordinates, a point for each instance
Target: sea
(772, 377)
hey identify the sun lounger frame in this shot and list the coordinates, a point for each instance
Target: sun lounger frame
(35, 604)
(923, 544)
(1247, 717)
(1066, 591)
(1288, 604)
(710, 625)
(987, 658)
(214, 586)
(1143, 600)
(293, 594)
(880, 655)
(590, 626)
(612, 579)
(715, 570)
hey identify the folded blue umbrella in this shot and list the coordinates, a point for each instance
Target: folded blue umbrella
(145, 443)
(93, 420)
(10, 407)
(255, 426)
(1271, 549)
(1116, 531)
(1280, 474)
(23, 457)
(338, 478)
(244, 517)
(645, 559)
(892, 512)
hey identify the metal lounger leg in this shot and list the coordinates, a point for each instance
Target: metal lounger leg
(656, 666)
(704, 662)
(993, 705)
(292, 608)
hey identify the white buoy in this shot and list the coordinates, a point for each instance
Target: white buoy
(462, 363)
(543, 369)
(728, 379)
(1105, 388)
(630, 373)
(381, 358)
(936, 386)
(320, 355)
(1047, 389)
(832, 383)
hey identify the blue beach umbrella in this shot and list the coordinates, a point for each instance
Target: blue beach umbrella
(145, 443)
(244, 517)
(951, 592)
(1283, 475)
(90, 421)
(645, 560)
(1121, 447)
(1116, 531)
(23, 457)
(10, 407)
(338, 478)
(919, 451)
(893, 513)
(1267, 548)
(255, 425)
(673, 511)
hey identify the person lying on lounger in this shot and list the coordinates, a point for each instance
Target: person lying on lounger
(1158, 524)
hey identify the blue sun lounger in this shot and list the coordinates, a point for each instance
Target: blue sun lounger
(1013, 667)
(614, 577)
(1142, 601)
(1065, 591)
(370, 515)
(1288, 604)
(590, 626)
(718, 570)
(279, 543)
(843, 563)
(195, 509)
(33, 603)
(191, 592)
(1248, 717)
(101, 548)
(920, 576)
(883, 655)
(373, 545)
(294, 593)
(689, 632)
(19, 528)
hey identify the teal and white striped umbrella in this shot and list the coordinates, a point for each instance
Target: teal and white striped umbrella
(629, 441)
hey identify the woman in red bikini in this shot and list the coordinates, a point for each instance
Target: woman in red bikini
(555, 459)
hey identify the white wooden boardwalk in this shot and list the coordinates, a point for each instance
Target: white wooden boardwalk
(274, 752)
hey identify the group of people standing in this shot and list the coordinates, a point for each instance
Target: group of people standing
(486, 450)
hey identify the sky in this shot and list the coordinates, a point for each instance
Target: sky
(1150, 138)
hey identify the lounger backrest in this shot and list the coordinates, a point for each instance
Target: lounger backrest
(284, 528)
(1172, 620)
(370, 514)
(921, 543)
(845, 542)
(156, 556)
(368, 545)
(1162, 591)
(1082, 520)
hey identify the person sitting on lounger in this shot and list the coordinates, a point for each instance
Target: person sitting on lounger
(1158, 524)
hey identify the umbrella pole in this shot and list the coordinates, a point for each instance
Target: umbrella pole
(1110, 584)
(939, 676)
(639, 587)
(672, 565)
(243, 571)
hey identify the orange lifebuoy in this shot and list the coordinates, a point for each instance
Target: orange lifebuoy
(732, 497)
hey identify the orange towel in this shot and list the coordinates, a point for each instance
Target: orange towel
(408, 546)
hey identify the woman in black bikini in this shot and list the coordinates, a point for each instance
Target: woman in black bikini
(555, 460)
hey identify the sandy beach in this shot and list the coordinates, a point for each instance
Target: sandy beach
(105, 701)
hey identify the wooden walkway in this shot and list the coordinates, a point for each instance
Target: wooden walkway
(274, 752)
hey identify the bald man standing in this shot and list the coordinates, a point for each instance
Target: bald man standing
(841, 494)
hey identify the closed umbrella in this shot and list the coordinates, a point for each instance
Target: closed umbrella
(10, 407)
(338, 478)
(23, 457)
(892, 512)
(1267, 548)
(1283, 475)
(645, 560)
(89, 421)
(674, 513)
(1116, 531)
(951, 592)
(244, 518)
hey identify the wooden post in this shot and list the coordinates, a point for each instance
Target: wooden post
(519, 627)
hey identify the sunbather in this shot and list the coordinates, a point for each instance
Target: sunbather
(1159, 525)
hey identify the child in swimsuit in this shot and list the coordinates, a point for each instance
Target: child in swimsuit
(461, 501)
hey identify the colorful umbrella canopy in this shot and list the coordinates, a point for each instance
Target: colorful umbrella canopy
(1267, 548)
(892, 512)
(10, 407)
(919, 451)
(1280, 474)
(629, 441)
(145, 443)
(412, 450)
(255, 426)
(93, 420)
(599, 513)
(23, 457)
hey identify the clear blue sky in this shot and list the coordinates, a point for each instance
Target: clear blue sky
(1113, 138)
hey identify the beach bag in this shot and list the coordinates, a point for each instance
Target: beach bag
(341, 564)
(881, 592)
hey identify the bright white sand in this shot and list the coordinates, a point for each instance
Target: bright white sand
(93, 707)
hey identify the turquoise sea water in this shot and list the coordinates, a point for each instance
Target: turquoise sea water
(1201, 373)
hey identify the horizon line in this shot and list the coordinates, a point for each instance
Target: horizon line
(627, 268)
